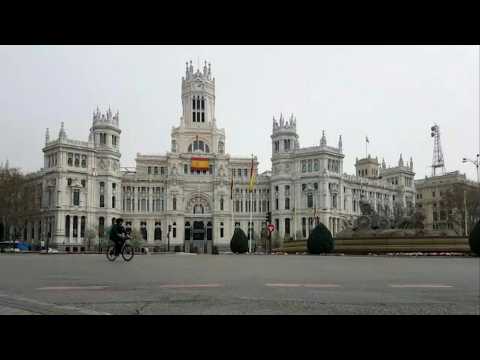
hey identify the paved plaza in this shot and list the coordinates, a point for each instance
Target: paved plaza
(238, 284)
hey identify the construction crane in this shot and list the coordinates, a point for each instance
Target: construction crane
(438, 163)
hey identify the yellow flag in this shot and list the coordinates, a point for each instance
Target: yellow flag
(251, 183)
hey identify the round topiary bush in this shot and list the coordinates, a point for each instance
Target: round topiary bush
(320, 240)
(474, 239)
(239, 242)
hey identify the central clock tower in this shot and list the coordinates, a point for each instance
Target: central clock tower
(198, 97)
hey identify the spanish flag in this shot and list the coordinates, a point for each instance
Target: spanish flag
(251, 183)
(199, 163)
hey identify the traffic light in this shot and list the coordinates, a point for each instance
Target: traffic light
(268, 217)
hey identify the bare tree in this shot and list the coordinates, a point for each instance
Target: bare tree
(461, 204)
(16, 202)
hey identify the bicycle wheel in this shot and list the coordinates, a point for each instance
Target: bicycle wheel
(111, 253)
(128, 252)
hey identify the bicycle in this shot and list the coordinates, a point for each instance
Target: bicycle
(126, 251)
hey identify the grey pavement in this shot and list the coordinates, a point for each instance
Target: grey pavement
(238, 284)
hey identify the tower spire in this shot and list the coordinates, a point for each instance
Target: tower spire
(62, 134)
(323, 140)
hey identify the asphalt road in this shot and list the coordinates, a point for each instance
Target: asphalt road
(238, 284)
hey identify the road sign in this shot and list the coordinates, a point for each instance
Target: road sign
(270, 227)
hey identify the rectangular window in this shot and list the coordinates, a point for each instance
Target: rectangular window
(287, 203)
(316, 165)
(287, 226)
(203, 104)
(194, 115)
(84, 161)
(276, 204)
(102, 201)
(174, 203)
(309, 165)
(76, 198)
(70, 159)
(304, 166)
(310, 201)
(155, 170)
(203, 117)
(113, 202)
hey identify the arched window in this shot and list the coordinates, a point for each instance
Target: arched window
(198, 209)
(101, 226)
(75, 226)
(67, 226)
(199, 145)
(158, 231)
(187, 230)
(82, 227)
(221, 147)
(174, 229)
(143, 230)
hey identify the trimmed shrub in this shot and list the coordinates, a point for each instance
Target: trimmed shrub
(239, 242)
(320, 240)
(474, 239)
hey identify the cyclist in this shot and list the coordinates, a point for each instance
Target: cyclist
(118, 235)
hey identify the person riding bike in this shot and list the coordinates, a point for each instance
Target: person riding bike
(118, 235)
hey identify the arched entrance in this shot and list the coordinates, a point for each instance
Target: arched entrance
(198, 231)
(198, 224)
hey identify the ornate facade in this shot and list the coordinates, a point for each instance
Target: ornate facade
(188, 189)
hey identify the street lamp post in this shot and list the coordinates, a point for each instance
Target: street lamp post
(474, 162)
(477, 165)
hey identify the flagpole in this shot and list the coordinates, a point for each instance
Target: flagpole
(251, 225)
(250, 186)
(233, 212)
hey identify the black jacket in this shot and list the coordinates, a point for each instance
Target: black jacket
(116, 232)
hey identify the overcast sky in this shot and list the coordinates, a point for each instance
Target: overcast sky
(393, 94)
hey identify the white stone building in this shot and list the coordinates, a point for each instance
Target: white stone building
(189, 187)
